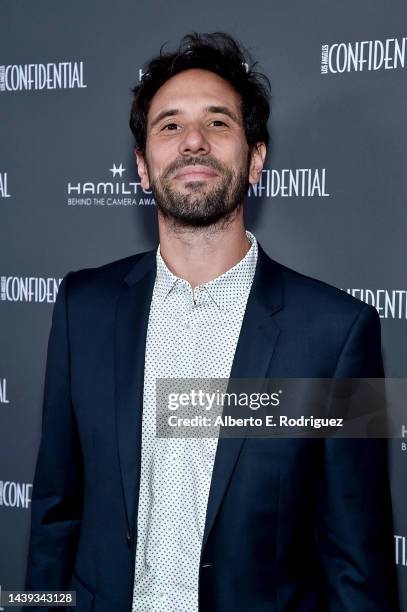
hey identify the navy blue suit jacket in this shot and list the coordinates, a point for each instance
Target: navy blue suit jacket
(292, 524)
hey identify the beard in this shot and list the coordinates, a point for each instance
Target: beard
(201, 205)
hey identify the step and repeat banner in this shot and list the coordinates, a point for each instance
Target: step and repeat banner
(331, 202)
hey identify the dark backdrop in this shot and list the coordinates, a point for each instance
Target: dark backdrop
(331, 203)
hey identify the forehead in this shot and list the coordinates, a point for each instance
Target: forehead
(192, 89)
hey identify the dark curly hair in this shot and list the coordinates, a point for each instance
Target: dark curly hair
(221, 54)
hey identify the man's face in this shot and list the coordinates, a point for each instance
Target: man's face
(197, 163)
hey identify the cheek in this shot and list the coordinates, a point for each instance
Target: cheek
(159, 162)
(241, 164)
(235, 153)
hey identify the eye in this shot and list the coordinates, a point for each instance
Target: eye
(218, 121)
(170, 125)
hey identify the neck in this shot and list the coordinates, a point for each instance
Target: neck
(199, 255)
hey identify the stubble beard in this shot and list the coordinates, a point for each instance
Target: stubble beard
(199, 205)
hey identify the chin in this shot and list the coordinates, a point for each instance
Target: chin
(195, 185)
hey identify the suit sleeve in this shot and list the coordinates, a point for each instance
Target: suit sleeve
(354, 531)
(57, 493)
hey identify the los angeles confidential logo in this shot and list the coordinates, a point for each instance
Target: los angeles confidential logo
(29, 289)
(15, 494)
(290, 183)
(4, 191)
(61, 75)
(364, 55)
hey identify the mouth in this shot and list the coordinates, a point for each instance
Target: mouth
(191, 173)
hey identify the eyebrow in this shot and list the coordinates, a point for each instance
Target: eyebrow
(171, 112)
(223, 110)
(166, 113)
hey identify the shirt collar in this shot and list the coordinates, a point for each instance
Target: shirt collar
(225, 290)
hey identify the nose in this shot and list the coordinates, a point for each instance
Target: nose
(194, 141)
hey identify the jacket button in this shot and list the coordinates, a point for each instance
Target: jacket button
(128, 537)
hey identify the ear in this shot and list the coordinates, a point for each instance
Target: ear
(258, 155)
(142, 169)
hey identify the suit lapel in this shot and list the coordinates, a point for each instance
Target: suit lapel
(132, 314)
(254, 351)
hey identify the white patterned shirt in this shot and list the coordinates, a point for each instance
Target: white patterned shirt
(192, 333)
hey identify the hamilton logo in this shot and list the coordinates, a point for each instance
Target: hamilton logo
(117, 170)
(116, 191)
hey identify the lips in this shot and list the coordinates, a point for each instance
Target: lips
(191, 172)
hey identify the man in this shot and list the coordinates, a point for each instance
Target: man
(135, 522)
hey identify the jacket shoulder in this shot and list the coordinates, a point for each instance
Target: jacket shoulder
(104, 280)
(312, 294)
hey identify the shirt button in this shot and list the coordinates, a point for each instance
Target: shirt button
(187, 325)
